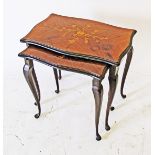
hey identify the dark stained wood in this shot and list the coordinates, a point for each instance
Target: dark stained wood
(127, 65)
(98, 96)
(113, 78)
(32, 81)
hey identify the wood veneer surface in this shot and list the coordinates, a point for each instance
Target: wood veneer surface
(81, 38)
(64, 62)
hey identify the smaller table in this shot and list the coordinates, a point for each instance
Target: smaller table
(95, 70)
(79, 45)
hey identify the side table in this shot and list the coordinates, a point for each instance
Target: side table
(95, 70)
(79, 45)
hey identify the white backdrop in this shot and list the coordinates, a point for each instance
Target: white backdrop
(74, 136)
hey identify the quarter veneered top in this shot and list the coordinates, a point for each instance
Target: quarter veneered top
(81, 38)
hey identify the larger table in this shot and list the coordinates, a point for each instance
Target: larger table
(82, 46)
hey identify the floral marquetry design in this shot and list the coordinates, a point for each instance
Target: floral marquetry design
(81, 38)
(86, 33)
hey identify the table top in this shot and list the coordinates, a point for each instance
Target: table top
(82, 38)
(63, 62)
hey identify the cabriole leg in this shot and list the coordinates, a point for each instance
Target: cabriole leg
(127, 65)
(113, 77)
(32, 81)
(98, 95)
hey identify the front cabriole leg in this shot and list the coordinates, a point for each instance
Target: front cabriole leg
(113, 77)
(32, 81)
(98, 95)
(127, 65)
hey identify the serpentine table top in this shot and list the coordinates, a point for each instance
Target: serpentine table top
(82, 38)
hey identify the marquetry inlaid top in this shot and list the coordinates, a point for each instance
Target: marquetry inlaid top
(81, 38)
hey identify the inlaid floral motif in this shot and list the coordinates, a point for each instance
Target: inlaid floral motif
(76, 32)
(81, 38)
